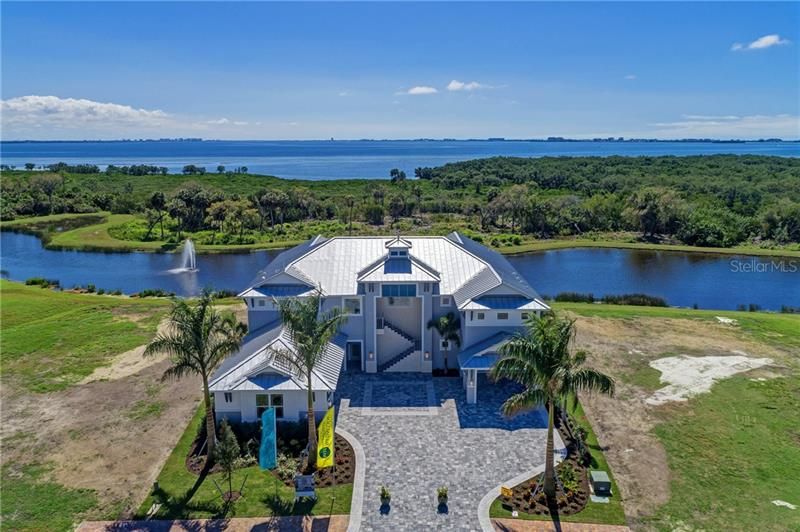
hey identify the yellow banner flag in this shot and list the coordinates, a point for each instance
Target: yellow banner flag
(325, 443)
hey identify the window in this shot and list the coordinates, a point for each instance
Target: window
(399, 290)
(502, 315)
(228, 397)
(398, 253)
(426, 287)
(262, 303)
(352, 306)
(524, 316)
(444, 344)
(371, 287)
(274, 400)
(444, 301)
(479, 315)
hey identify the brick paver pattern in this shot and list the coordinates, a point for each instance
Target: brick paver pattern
(421, 434)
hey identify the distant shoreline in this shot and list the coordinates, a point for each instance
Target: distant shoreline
(488, 139)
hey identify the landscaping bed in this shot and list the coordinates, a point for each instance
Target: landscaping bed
(572, 493)
(291, 441)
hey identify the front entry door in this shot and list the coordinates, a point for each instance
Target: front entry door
(354, 356)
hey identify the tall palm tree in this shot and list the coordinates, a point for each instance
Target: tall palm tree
(310, 331)
(448, 327)
(541, 360)
(197, 340)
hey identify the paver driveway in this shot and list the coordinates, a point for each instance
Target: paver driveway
(418, 433)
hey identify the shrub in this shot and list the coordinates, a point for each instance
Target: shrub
(575, 297)
(287, 467)
(90, 288)
(642, 300)
(154, 292)
(41, 281)
(101, 291)
(569, 478)
(385, 494)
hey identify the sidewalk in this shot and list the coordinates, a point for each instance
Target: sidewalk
(335, 523)
(519, 525)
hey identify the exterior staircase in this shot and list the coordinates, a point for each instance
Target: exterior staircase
(387, 366)
(412, 346)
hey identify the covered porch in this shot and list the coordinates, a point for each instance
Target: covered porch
(478, 359)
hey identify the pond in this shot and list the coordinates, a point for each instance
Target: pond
(683, 279)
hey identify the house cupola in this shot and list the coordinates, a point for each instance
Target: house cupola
(398, 247)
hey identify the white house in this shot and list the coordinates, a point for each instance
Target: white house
(389, 288)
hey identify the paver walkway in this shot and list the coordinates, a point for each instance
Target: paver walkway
(418, 433)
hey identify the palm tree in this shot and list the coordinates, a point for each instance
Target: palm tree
(197, 340)
(541, 360)
(349, 202)
(310, 333)
(448, 327)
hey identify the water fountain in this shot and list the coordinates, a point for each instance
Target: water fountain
(188, 260)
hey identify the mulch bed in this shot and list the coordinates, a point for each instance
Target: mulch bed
(344, 468)
(343, 472)
(571, 502)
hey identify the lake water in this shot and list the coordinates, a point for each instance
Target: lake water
(347, 159)
(683, 279)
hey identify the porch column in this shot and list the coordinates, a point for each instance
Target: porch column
(472, 387)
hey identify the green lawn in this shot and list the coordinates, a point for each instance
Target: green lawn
(53, 339)
(188, 496)
(734, 451)
(610, 514)
(31, 503)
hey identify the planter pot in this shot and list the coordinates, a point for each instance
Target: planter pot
(386, 500)
(442, 500)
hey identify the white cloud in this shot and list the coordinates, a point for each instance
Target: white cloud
(730, 126)
(52, 111)
(630, 76)
(219, 121)
(767, 41)
(421, 89)
(456, 85)
(344, 93)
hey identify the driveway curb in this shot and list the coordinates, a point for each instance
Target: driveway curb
(357, 501)
(483, 507)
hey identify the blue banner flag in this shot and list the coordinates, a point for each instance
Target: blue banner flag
(268, 452)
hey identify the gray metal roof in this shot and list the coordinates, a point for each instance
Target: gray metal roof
(504, 302)
(464, 268)
(256, 364)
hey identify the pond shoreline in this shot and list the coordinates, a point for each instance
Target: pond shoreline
(76, 238)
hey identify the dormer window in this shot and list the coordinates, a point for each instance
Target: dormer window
(398, 253)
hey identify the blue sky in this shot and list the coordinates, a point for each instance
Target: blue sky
(381, 70)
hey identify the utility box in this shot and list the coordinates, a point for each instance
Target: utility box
(601, 484)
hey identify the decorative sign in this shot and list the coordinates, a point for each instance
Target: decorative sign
(506, 492)
(268, 452)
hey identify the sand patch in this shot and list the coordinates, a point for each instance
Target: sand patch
(689, 376)
(127, 363)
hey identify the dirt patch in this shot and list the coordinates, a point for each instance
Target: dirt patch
(624, 423)
(689, 376)
(89, 435)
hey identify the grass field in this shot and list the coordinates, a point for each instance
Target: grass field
(188, 496)
(52, 339)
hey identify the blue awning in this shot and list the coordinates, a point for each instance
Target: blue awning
(482, 356)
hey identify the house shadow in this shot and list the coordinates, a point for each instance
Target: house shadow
(487, 413)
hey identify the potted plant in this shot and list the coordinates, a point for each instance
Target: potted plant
(386, 497)
(441, 494)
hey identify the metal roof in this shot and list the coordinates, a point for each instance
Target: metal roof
(463, 267)
(504, 302)
(256, 364)
(483, 355)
